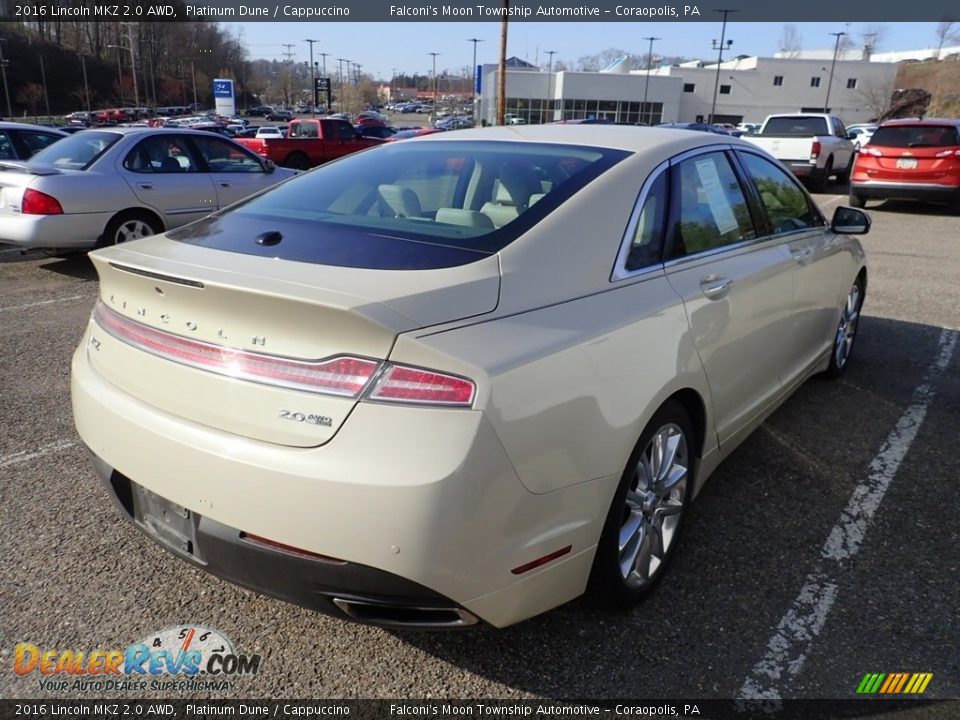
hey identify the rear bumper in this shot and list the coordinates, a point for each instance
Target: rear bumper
(802, 169)
(345, 590)
(52, 231)
(422, 505)
(905, 190)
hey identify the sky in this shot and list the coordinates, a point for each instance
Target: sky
(405, 46)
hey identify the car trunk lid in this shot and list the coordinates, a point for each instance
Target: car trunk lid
(232, 341)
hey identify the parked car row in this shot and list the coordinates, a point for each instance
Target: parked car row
(78, 192)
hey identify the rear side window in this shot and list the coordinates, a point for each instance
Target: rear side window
(648, 231)
(160, 154)
(712, 211)
(76, 152)
(907, 136)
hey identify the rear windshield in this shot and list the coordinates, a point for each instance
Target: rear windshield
(796, 126)
(76, 152)
(906, 136)
(463, 195)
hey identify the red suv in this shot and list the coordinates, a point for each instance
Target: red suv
(909, 160)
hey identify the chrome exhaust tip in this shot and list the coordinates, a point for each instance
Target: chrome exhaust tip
(406, 616)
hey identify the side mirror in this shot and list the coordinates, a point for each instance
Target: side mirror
(850, 221)
(851, 136)
(269, 166)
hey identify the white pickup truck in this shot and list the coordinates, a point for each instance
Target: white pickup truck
(814, 146)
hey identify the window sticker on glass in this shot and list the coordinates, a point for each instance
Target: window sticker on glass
(716, 198)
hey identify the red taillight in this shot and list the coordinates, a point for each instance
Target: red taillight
(37, 203)
(872, 151)
(345, 376)
(413, 385)
(948, 153)
(815, 150)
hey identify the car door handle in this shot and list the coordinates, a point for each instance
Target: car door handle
(802, 254)
(714, 287)
(145, 185)
(224, 183)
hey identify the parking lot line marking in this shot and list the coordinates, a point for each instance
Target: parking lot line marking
(25, 455)
(26, 306)
(787, 649)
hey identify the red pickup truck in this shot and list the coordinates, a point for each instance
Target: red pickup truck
(310, 142)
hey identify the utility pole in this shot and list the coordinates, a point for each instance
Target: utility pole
(836, 47)
(289, 61)
(646, 85)
(313, 80)
(193, 77)
(719, 48)
(473, 93)
(342, 61)
(86, 88)
(502, 69)
(434, 114)
(133, 66)
(6, 86)
(46, 96)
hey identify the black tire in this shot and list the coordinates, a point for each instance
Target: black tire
(297, 161)
(122, 227)
(818, 181)
(857, 201)
(839, 362)
(608, 584)
(843, 177)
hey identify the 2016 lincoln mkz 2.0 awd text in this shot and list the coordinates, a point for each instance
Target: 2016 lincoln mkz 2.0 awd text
(463, 378)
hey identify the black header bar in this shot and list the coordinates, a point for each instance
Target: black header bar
(475, 10)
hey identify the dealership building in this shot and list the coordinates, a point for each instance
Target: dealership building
(748, 89)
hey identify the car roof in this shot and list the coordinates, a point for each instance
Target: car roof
(669, 141)
(921, 121)
(142, 130)
(27, 126)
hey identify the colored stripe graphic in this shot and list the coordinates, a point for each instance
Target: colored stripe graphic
(894, 683)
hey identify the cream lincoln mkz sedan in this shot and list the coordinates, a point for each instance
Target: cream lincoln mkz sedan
(463, 378)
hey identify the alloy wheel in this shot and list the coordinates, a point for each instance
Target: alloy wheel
(847, 329)
(654, 504)
(132, 229)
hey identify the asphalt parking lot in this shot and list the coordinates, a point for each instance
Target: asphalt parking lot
(825, 548)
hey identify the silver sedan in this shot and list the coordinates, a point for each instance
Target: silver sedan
(107, 186)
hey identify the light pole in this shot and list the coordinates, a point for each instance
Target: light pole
(473, 95)
(313, 80)
(341, 61)
(836, 47)
(551, 53)
(646, 85)
(133, 70)
(6, 87)
(434, 113)
(719, 48)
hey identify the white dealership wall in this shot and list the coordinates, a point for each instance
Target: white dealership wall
(752, 95)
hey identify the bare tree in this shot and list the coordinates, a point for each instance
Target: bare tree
(872, 37)
(946, 32)
(790, 42)
(877, 95)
